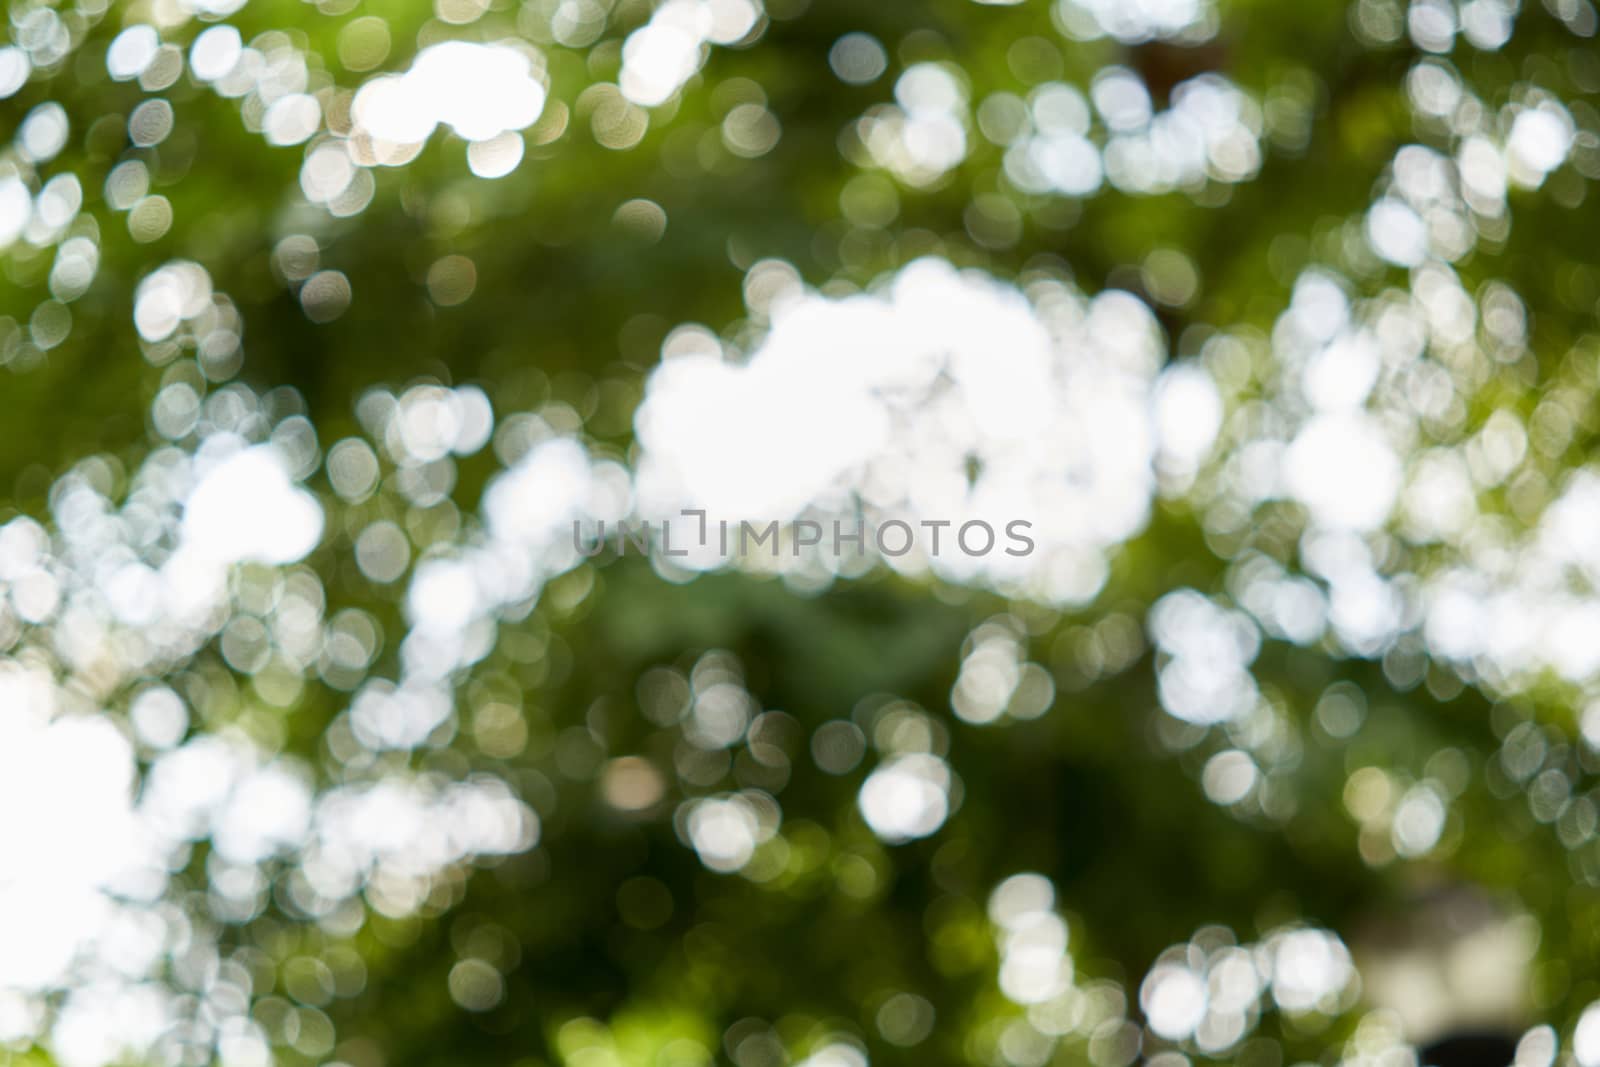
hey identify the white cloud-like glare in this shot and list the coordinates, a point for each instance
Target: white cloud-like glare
(1136, 21)
(907, 798)
(245, 508)
(74, 775)
(944, 396)
(664, 53)
(479, 90)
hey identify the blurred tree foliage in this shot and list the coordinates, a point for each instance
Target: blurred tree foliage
(612, 942)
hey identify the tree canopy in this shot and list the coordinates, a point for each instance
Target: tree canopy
(331, 329)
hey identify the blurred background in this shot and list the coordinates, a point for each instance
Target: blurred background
(324, 325)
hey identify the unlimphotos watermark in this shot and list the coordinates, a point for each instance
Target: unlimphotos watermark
(890, 537)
